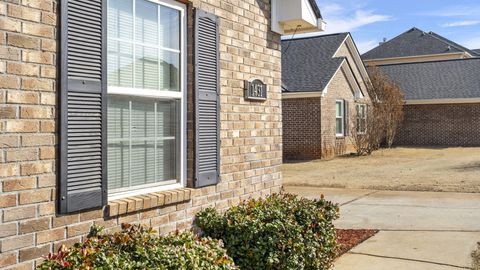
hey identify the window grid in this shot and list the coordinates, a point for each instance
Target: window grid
(135, 43)
(340, 118)
(162, 94)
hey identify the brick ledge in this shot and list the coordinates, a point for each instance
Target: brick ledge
(148, 201)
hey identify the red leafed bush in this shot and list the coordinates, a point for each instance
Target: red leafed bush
(138, 247)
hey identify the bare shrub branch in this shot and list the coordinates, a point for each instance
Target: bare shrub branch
(388, 99)
(385, 114)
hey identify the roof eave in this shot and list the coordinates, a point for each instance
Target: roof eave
(443, 101)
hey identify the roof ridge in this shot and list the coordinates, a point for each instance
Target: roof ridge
(396, 37)
(449, 42)
(425, 62)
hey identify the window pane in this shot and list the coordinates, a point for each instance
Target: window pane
(146, 22)
(170, 71)
(146, 68)
(144, 53)
(339, 111)
(143, 141)
(120, 64)
(120, 19)
(167, 131)
(169, 28)
(118, 143)
(339, 124)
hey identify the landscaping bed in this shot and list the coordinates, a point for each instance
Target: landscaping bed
(282, 231)
(348, 239)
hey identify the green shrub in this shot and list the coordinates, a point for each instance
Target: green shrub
(280, 232)
(137, 247)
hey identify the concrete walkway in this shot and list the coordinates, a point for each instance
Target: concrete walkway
(418, 230)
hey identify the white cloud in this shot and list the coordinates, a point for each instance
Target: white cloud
(331, 8)
(366, 45)
(340, 19)
(352, 22)
(348, 18)
(460, 23)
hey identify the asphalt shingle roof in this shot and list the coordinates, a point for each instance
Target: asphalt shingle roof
(308, 63)
(451, 79)
(414, 42)
(453, 44)
(477, 51)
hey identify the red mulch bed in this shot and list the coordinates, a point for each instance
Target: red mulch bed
(348, 239)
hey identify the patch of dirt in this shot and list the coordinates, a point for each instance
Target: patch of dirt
(348, 239)
(403, 169)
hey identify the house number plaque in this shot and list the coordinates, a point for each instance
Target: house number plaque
(255, 90)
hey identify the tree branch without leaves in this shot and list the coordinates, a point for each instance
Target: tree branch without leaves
(385, 114)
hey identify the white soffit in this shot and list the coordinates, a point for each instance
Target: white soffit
(295, 16)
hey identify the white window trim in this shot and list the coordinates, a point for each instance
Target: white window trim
(366, 118)
(342, 102)
(181, 95)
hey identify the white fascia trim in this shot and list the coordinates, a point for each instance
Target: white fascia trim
(356, 57)
(301, 95)
(352, 81)
(350, 77)
(358, 60)
(325, 90)
(443, 101)
(338, 49)
(413, 57)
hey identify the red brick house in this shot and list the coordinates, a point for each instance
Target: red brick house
(442, 106)
(441, 81)
(135, 111)
(324, 96)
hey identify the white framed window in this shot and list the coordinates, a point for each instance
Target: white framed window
(146, 96)
(362, 118)
(340, 118)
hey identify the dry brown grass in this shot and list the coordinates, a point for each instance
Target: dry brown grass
(412, 169)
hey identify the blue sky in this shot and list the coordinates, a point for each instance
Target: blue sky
(372, 20)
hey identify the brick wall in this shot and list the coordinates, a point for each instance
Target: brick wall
(301, 128)
(250, 131)
(440, 125)
(332, 145)
(309, 123)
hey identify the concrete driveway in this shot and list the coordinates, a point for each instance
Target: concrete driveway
(418, 230)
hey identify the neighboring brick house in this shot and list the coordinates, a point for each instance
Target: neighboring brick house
(441, 81)
(150, 129)
(324, 86)
(442, 106)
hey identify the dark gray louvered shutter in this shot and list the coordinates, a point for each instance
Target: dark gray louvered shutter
(83, 106)
(207, 102)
